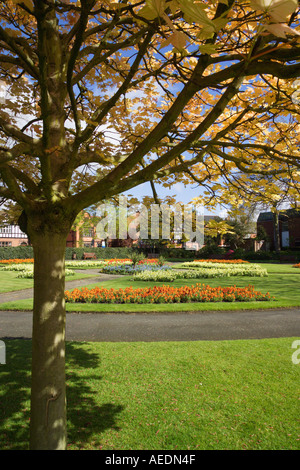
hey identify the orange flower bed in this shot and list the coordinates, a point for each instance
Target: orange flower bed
(148, 261)
(118, 261)
(231, 261)
(128, 260)
(296, 265)
(16, 261)
(166, 294)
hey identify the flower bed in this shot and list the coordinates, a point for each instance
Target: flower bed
(113, 262)
(225, 266)
(296, 265)
(17, 267)
(78, 264)
(228, 261)
(166, 294)
(196, 273)
(130, 269)
(128, 261)
(16, 261)
(29, 273)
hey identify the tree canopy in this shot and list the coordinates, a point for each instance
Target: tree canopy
(102, 96)
(99, 97)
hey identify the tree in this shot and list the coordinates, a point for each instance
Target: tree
(242, 223)
(259, 192)
(103, 96)
(217, 229)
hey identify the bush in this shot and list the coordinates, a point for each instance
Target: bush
(101, 253)
(16, 252)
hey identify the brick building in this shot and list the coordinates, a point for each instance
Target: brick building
(12, 235)
(289, 228)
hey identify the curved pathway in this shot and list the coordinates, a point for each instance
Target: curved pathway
(182, 326)
(167, 326)
(28, 293)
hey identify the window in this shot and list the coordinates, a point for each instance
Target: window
(5, 229)
(5, 243)
(88, 232)
(297, 242)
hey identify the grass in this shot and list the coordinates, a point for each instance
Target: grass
(283, 283)
(196, 395)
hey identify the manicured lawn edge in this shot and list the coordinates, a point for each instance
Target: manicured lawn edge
(197, 307)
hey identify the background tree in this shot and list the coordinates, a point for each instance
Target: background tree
(255, 193)
(217, 229)
(103, 96)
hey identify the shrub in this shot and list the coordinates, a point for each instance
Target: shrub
(16, 252)
(137, 258)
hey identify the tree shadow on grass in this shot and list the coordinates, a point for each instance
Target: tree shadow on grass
(87, 417)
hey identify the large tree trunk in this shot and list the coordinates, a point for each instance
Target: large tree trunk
(48, 394)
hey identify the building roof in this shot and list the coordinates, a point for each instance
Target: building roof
(290, 213)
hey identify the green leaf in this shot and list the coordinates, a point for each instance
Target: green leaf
(195, 13)
(208, 49)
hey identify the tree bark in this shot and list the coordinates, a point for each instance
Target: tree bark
(276, 231)
(48, 391)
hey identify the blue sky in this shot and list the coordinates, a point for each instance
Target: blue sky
(184, 194)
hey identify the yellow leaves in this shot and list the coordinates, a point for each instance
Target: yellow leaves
(153, 9)
(195, 13)
(280, 30)
(178, 39)
(214, 228)
(279, 10)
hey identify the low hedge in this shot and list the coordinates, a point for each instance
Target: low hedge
(16, 252)
(26, 252)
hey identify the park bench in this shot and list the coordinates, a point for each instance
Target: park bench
(89, 256)
(287, 258)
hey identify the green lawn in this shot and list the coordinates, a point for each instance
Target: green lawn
(283, 283)
(9, 281)
(196, 395)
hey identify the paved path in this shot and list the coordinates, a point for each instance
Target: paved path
(164, 327)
